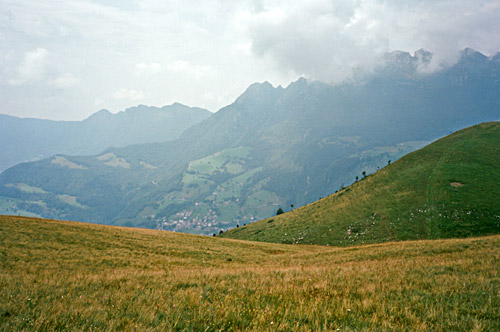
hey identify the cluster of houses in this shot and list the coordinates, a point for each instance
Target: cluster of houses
(185, 222)
(190, 221)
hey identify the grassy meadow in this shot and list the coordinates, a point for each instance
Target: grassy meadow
(68, 276)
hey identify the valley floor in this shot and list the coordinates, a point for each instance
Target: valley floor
(68, 276)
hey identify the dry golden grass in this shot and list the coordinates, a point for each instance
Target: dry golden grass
(63, 276)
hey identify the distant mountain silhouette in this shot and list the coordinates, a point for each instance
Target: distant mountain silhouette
(25, 139)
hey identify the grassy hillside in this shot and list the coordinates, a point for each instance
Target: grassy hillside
(450, 188)
(63, 276)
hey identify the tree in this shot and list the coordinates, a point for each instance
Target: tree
(364, 174)
(280, 211)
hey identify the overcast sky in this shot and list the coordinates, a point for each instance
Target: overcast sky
(64, 59)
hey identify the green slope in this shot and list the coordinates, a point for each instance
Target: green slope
(450, 188)
(63, 276)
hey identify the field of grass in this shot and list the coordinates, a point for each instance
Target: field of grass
(66, 276)
(448, 189)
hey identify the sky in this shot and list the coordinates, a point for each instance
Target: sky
(65, 59)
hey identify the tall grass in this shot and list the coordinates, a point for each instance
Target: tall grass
(62, 276)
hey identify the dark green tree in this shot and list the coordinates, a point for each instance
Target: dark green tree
(280, 211)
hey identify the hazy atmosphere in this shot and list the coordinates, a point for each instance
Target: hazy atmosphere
(250, 165)
(67, 59)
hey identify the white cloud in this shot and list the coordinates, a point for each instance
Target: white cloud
(32, 68)
(329, 40)
(178, 66)
(65, 81)
(182, 67)
(132, 95)
(210, 97)
(205, 53)
(98, 101)
(147, 68)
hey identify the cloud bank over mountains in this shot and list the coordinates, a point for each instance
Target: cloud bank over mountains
(68, 58)
(327, 40)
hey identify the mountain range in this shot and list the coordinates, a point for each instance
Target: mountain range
(26, 139)
(273, 147)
